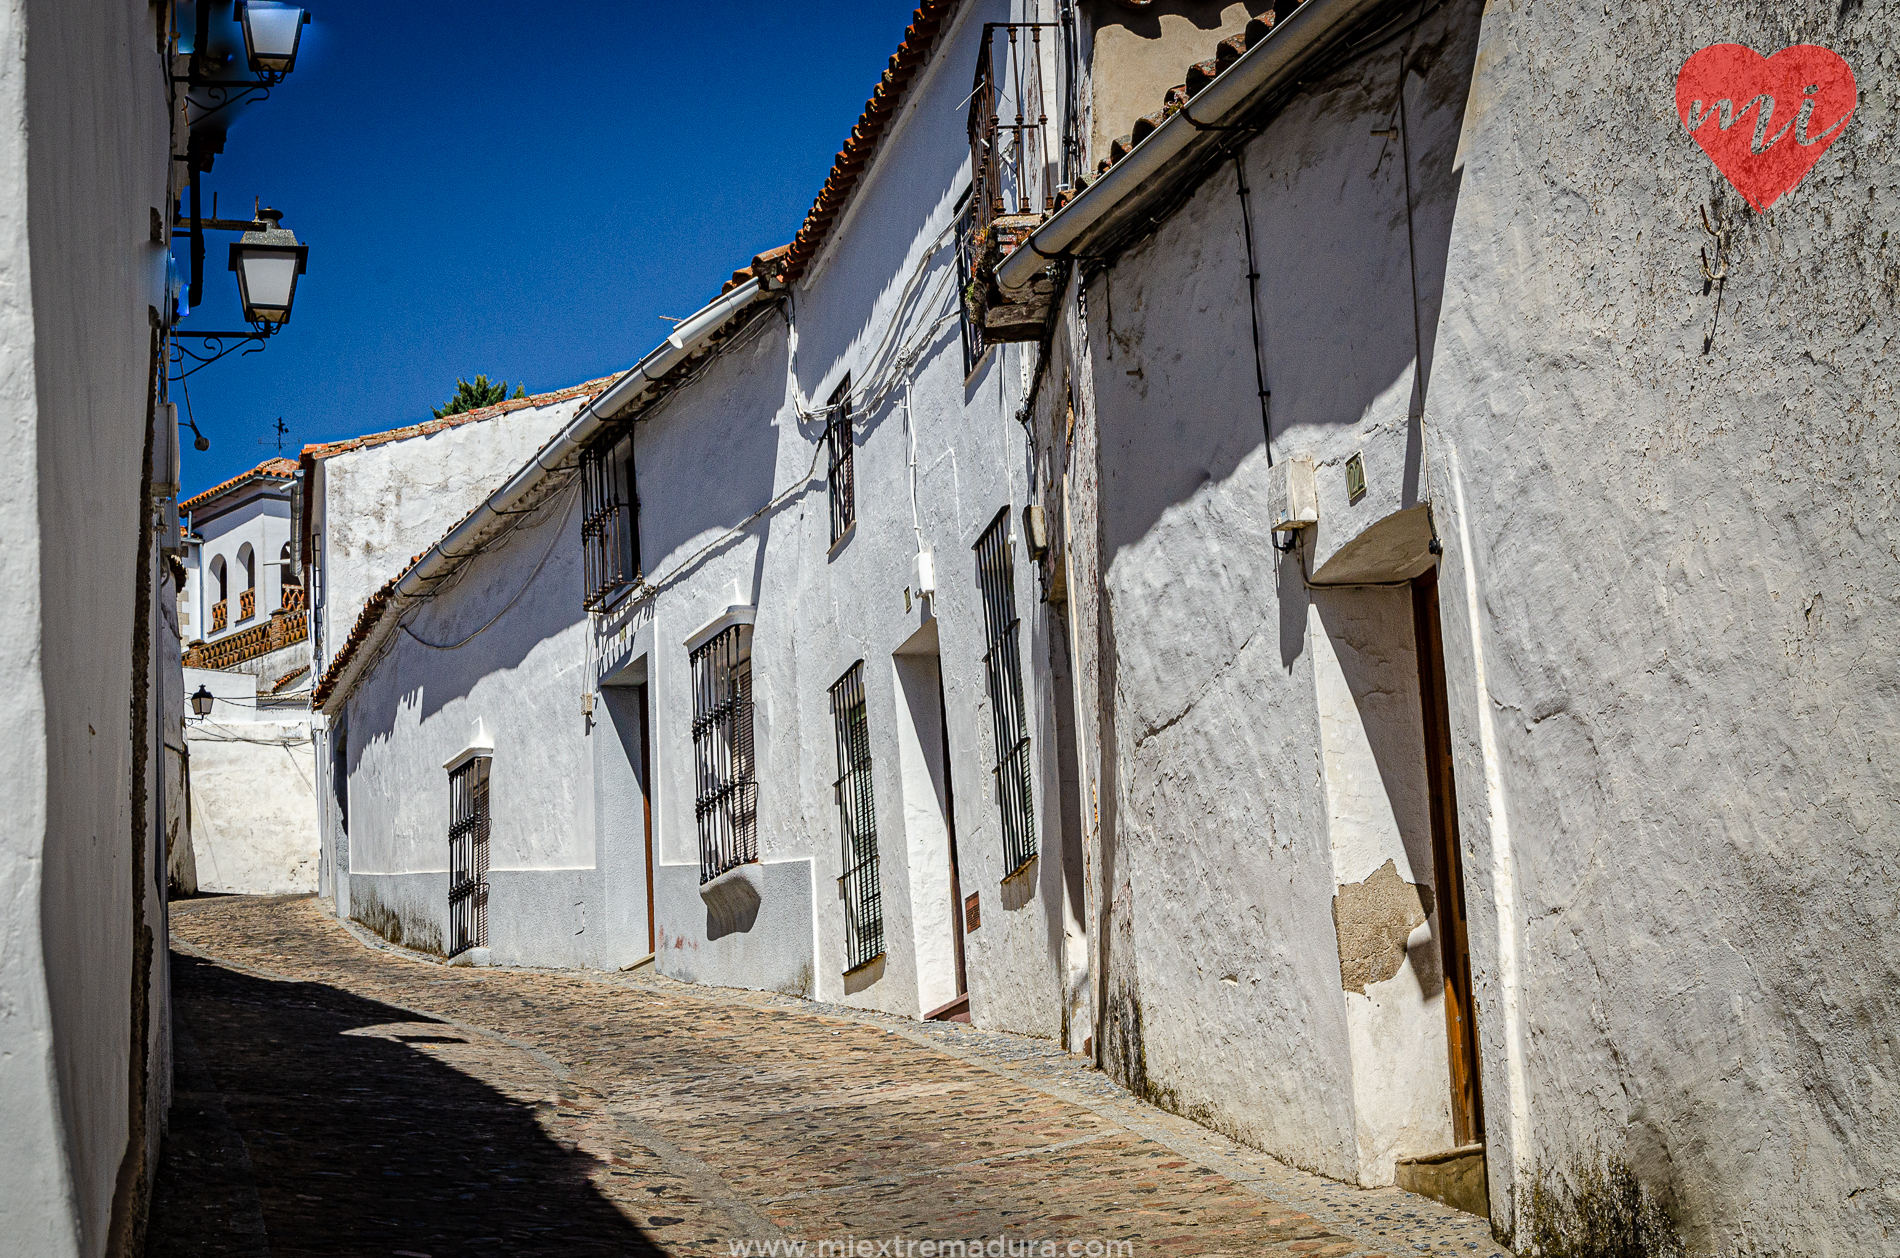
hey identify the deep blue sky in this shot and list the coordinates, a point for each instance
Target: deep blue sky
(513, 189)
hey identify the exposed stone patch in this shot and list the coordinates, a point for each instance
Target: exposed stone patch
(1373, 919)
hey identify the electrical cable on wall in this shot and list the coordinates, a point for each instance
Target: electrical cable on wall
(553, 541)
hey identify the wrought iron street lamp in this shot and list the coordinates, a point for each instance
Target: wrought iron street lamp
(268, 263)
(271, 32)
(267, 259)
(201, 701)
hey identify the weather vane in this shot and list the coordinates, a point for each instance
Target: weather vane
(280, 430)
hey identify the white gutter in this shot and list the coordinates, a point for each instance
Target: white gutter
(1263, 69)
(688, 337)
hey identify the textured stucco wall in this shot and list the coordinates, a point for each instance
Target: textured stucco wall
(85, 159)
(253, 806)
(1670, 630)
(1666, 553)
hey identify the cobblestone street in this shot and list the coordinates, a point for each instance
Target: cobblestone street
(339, 1098)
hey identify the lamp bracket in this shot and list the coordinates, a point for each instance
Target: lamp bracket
(216, 346)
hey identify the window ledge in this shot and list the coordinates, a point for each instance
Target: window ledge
(844, 538)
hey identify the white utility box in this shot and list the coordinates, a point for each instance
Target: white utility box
(1292, 495)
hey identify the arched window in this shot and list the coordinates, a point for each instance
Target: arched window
(222, 577)
(248, 561)
(290, 574)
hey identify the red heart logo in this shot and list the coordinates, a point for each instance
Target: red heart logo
(1765, 120)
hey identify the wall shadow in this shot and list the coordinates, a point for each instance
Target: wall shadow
(288, 1136)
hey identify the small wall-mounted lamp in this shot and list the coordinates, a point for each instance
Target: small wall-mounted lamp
(202, 700)
(271, 32)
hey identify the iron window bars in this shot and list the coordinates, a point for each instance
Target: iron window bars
(1002, 660)
(844, 502)
(857, 822)
(610, 519)
(468, 856)
(968, 316)
(727, 800)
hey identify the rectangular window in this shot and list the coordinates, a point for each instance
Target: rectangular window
(969, 296)
(468, 856)
(996, 578)
(610, 519)
(726, 804)
(857, 822)
(844, 506)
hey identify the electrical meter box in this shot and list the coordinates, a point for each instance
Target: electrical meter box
(1292, 495)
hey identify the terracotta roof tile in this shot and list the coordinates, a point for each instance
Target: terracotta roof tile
(269, 469)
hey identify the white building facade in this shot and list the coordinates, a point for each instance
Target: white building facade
(237, 554)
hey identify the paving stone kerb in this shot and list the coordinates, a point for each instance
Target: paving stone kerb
(338, 1097)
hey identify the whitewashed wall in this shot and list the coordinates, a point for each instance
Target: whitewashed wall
(1665, 563)
(84, 153)
(1247, 725)
(1667, 594)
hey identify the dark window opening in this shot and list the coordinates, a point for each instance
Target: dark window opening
(969, 297)
(857, 822)
(844, 507)
(610, 517)
(468, 856)
(1002, 661)
(726, 803)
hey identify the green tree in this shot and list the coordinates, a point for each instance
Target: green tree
(474, 396)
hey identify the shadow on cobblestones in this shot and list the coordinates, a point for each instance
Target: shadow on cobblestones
(308, 1120)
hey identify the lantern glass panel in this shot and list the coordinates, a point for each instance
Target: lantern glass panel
(269, 278)
(271, 32)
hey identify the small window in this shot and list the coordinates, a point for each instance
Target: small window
(1002, 660)
(726, 805)
(970, 298)
(844, 507)
(468, 855)
(857, 823)
(610, 520)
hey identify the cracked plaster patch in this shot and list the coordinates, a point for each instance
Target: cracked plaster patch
(1373, 919)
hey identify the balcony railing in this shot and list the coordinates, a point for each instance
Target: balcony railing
(281, 630)
(1009, 124)
(217, 616)
(247, 606)
(1012, 184)
(294, 598)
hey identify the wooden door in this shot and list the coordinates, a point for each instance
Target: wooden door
(1467, 1102)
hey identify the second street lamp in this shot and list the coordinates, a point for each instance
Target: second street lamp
(268, 263)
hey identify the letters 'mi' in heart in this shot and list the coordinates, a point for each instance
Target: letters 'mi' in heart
(1799, 100)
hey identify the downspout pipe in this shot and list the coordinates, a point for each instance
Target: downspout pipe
(687, 339)
(1115, 201)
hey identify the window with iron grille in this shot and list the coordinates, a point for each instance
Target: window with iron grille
(857, 822)
(969, 304)
(610, 519)
(844, 505)
(726, 804)
(468, 856)
(1002, 660)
